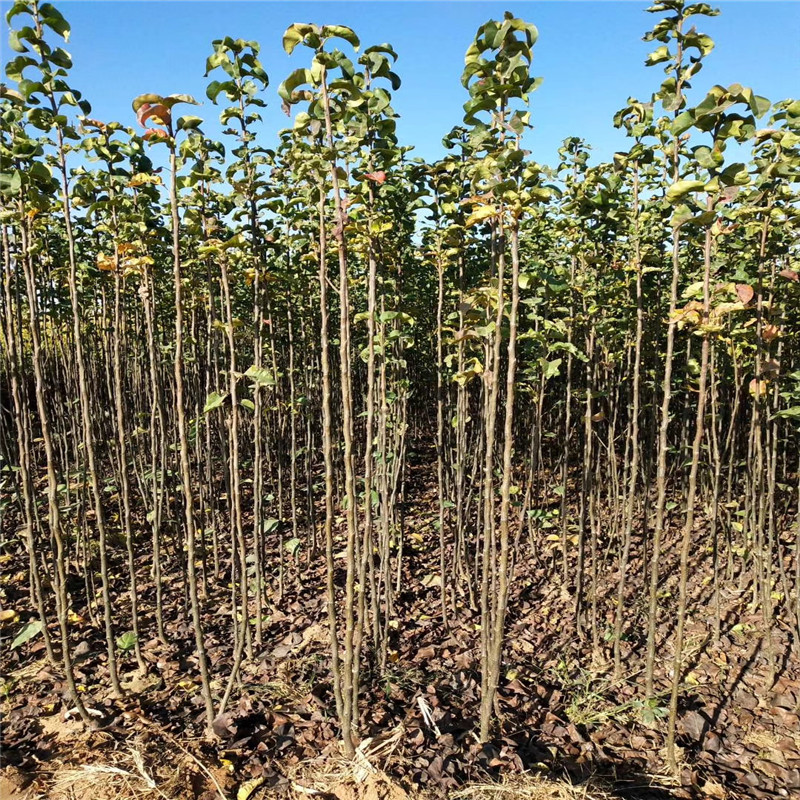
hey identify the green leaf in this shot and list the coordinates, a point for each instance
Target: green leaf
(174, 99)
(680, 189)
(10, 182)
(15, 68)
(189, 122)
(20, 7)
(260, 375)
(550, 368)
(683, 122)
(704, 43)
(27, 633)
(758, 105)
(215, 87)
(212, 90)
(292, 546)
(214, 400)
(298, 78)
(706, 157)
(294, 35)
(218, 59)
(788, 413)
(61, 58)
(659, 55)
(735, 175)
(342, 32)
(15, 42)
(54, 20)
(127, 641)
(139, 101)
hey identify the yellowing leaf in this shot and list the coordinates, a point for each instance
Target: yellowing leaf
(680, 189)
(105, 263)
(480, 214)
(247, 789)
(143, 178)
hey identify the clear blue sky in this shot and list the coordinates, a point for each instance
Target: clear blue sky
(590, 54)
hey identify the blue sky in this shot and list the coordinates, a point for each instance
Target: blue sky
(590, 54)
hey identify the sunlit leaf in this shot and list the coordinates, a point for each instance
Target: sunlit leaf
(214, 400)
(31, 629)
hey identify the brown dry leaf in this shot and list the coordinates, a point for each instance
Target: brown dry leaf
(744, 292)
(713, 789)
(771, 368)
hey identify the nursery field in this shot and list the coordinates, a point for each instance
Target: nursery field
(330, 471)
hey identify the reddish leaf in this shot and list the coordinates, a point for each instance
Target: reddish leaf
(770, 332)
(745, 292)
(154, 133)
(790, 275)
(143, 112)
(160, 114)
(379, 177)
